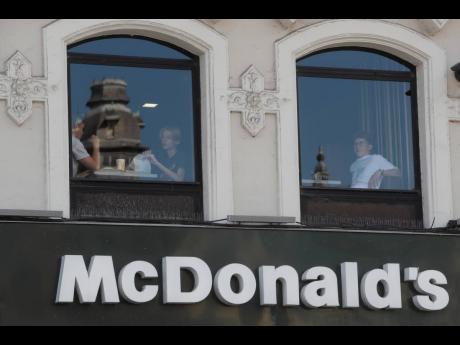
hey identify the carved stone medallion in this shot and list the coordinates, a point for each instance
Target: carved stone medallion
(253, 101)
(20, 88)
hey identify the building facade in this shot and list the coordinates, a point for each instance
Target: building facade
(193, 121)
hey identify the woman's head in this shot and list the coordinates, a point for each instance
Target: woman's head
(170, 137)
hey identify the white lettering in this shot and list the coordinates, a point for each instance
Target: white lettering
(246, 281)
(127, 286)
(390, 278)
(321, 293)
(320, 289)
(74, 274)
(172, 288)
(437, 298)
(287, 275)
(350, 284)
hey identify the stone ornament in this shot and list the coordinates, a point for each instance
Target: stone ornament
(430, 26)
(433, 26)
(19, 88)
(287, 23)
(252, 101)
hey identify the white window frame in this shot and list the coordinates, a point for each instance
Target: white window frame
(431, 69)
(189, 34)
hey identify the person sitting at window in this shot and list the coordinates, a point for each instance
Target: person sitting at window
(170, 162)
(80, 155)
(369, 169)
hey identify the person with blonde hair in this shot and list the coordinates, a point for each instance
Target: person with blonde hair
(170, 163)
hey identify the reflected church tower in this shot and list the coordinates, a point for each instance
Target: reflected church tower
(110, 118)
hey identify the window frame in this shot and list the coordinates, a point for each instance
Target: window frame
(194, 188)
(351, 194)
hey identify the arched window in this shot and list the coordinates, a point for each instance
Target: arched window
(358, 137)
(135, 130)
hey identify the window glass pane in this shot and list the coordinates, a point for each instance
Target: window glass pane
(128, 46)
(362, 126)
(352, 59)
(140, 115)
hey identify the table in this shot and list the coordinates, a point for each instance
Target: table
(321, 182)
(131, 174)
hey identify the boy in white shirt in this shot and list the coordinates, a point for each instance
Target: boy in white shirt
(369, 169)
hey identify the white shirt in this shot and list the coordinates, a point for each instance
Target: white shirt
(79, 152)
(364, 167)
(141, 164)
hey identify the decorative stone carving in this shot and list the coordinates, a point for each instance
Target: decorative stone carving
(433, 26)
(287, 23)
(20, 88)
(252, 101)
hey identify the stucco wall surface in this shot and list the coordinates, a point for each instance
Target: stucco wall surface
(250, 42)
(22, 149)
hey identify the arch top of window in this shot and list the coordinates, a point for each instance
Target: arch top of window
(354, 58)
(132, 46)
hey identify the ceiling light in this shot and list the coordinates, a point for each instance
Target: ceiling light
(149, 105)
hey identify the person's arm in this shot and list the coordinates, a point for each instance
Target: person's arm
(93, 162)
(178, 177)
(375, 178)
(391, 172)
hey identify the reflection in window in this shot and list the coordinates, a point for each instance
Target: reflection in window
(131, 122)
(128, 46)
(353, 59)
(355, 129)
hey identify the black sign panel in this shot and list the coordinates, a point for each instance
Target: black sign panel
(30, 257)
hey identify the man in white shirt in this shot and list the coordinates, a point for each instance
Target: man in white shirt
(369, 169)
(80, 155)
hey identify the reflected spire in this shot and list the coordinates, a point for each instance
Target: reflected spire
(320, 172)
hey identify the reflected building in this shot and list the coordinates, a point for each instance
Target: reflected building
(116, 125)
(320, 173)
